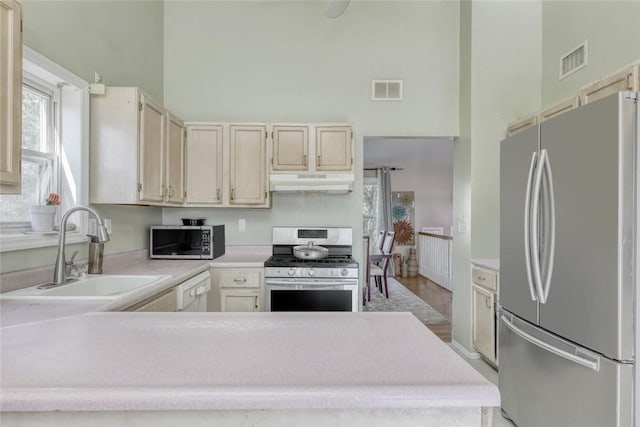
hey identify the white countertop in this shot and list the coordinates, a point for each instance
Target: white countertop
(187, 361)
(13, 312)
(243, 256)
(490, 263)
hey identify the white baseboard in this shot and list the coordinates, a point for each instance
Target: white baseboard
(460, 348)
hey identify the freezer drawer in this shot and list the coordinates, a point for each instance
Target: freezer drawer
(547, 381)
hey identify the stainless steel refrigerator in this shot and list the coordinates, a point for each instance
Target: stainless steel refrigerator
(568, 268)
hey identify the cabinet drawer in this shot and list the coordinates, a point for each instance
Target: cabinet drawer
(488, 279)
(240, 279)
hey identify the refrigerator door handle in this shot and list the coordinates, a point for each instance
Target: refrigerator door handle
(533, 224)
(527, 226)
(587, 363)
(552, 231)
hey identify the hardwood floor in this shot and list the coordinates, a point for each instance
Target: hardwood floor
(437, 297)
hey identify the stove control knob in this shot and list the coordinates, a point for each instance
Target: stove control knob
(311, 272)
(344, 272)
(292, 271)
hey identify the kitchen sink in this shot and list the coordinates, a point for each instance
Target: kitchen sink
(99, 286)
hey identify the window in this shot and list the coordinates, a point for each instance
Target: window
(55, 152)
(39, 153)
(370, 208)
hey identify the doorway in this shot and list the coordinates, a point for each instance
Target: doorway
(421, 175)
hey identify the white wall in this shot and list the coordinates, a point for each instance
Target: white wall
(612, 31)
(286, 61)
(504, 71)
(427, 170)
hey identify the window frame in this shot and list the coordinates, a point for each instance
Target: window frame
(49, 153)
(46, 74)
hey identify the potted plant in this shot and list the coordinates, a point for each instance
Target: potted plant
(43, 216)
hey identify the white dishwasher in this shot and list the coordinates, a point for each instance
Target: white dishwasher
(192, 293)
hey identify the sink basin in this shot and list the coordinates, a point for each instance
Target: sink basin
(99, 286)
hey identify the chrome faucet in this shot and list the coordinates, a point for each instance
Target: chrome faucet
(59, 273)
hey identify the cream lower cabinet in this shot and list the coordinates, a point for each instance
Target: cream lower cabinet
(165, 302)
(484, 323)
(10, 96)
(137, 150)
(239, 289)
(240, 300)
(226, 165)
(484, 303)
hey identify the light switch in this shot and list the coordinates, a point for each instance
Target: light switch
(107, 225)
(242, 225)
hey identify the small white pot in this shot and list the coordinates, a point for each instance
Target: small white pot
(42, 217)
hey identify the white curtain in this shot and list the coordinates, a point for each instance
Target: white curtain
(384, 184)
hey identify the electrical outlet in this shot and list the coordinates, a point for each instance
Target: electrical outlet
(107, 225)
(93, 227)
(242, 225)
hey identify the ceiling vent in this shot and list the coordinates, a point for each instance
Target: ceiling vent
(573, 61)
(386, 90)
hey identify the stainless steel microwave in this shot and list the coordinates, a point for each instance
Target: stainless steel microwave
(186, 241)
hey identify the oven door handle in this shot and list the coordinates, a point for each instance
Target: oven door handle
(322, 284)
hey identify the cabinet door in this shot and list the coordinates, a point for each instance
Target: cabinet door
(204, 165)
(484, 322)
(175, 160)
(164, 303)
(333, 148)
(240, 300)
(248, 165)
(290, 148)
(152, 130)
(10, 96)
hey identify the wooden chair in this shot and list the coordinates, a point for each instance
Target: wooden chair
(379, 273)
(380, 239)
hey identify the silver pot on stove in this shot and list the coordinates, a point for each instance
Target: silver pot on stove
(310, 251)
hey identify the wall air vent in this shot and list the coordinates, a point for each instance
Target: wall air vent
(573, 60)
(386, 90)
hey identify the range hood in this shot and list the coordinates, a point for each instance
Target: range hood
(319, 182)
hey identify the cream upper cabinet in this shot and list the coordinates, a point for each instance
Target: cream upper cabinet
(152, 149)
(290, 148)
(204, 164)
(227, 165)
(311, 147)
(334, 148)
(10, 96)
(175, 149)
(137, 150)
(248, 165)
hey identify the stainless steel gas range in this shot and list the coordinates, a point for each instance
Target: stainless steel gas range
(294, 281)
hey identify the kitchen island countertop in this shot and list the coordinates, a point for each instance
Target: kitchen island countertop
(238, 361)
